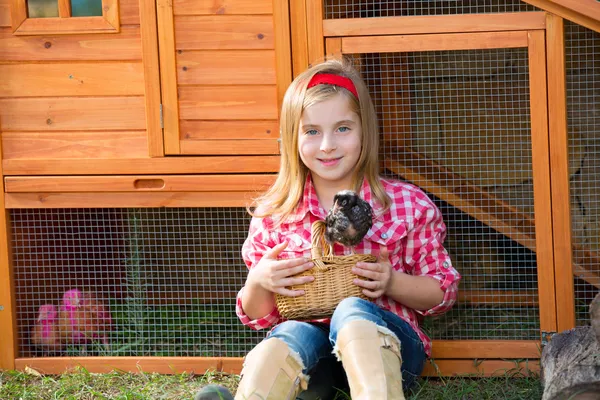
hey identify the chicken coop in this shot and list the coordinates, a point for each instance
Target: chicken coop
(134, 133)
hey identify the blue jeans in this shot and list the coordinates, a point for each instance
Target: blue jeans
(314, 342)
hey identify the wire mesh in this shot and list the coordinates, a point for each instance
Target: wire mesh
(457, 124)
(339, 9)
(582, 51)
(168, 278)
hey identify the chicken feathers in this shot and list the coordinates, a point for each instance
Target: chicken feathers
(349, 220)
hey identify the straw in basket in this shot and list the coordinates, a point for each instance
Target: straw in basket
(333, 281)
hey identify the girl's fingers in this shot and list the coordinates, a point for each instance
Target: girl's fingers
(366, 273)
(298, 269)
(372, 285)
(275, 251)
(297, 281)
(290, 293)
(372, 294)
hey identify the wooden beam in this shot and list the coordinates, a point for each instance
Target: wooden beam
(582, 12)
(434, 24)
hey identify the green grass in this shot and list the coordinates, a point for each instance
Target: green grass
(80, 384)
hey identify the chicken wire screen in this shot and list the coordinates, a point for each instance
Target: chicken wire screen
(582, 51)
(166, 279)
(335, 9)
(457, 124)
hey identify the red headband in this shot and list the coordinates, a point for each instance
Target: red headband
(332, 79)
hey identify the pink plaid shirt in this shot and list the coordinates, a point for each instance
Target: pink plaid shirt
(412, 229)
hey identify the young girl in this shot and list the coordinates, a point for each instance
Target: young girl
(329, 143)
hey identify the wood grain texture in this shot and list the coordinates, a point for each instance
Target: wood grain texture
(222, 7)
(225, 147)
(228, 102)
(71, 79)
(164, 165)
(434, 24)
(283, 50)
(136, 183)
(65, 145)
(541, 180)
(125, 46)
(224, 32)
(229, 129)
(72, 114)
(582, 12)
(226, 67)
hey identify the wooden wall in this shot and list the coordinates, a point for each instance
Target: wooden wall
(73, 96)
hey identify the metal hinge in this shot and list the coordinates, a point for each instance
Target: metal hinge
(547, 336)
(162, 121)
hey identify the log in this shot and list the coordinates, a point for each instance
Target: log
(571, 361)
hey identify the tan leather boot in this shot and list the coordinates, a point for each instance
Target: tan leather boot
(372, 361)
(271, 372)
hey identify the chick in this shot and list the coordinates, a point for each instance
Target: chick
(83, 318)
(349, 220)
(45, 333)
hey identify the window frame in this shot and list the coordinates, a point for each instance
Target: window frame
(64, 23)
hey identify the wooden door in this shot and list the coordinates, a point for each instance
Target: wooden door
(224, 67)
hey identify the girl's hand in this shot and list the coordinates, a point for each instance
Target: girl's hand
(274, 275)
(379, 272)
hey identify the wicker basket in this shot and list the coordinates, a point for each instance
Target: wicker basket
(333, 281)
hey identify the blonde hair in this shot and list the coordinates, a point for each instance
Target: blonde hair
(280, 200)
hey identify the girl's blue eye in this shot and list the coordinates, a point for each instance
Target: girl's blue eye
(343, 129)
(311, 132)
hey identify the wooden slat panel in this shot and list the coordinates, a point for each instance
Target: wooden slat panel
(224, 147)
(382, 44)
(224, 32)
(314, 18)
(125, 45)
(197, 130)
(434, 24)
(283, 50)
(228, 102)
(45, 145)
(541, 180)
(226, 67)
(74, 79)
(138, 183)
(222, 7)
(61, 26)
(4, 13)
(8, 319)
(486, 349)
(165, 165)
(559, 167)
(152, 83)
(168, 76)
(137, 199)
(129, 11)
(298, 36)
(199, 365)
(73, 114)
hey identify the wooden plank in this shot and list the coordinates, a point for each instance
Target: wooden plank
(228, 102)
(124, 46)
(110, 12)
(129, 11)
(225, 147)
(201, 365)
(298, 36)
(164, 165)
(224, 32)
(481, 368)
(8, 340)
(65, 26)
(18, 13)
(128, 199)
(559, 168)
(152, 83)
(5, 13)
(315, 39)
(65, 145)
(64, 8)
(138, 183)
(222, 7)
(168, 76)
(451, 41)
(333, 48)
(411, 25)
(73, 114)
(525, 298)
(572, 10)
(226, 67)
(72, 79)
(477, 349)
(541, 180)
(283, 50)
(228, 129)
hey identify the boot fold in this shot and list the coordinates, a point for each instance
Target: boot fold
(372, 361)
(271, 372)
